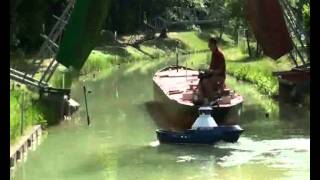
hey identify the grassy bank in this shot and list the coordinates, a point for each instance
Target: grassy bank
(255, 70)
(103, 59)
(31, 115)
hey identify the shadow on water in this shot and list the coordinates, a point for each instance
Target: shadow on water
(164, 119)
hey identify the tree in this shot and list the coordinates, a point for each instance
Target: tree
(26, 21)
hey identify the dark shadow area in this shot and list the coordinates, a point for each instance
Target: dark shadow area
(113, 50)
(285, 123)
(22, 64)
(166, 44)
(196, 150)
(165, 120)
(253, 112)
(205, 35)
(247, 59)
(145, 53)
(53, 104)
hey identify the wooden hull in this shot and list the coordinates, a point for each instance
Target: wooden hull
(170, 113)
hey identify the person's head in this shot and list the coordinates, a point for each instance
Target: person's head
(212, 43)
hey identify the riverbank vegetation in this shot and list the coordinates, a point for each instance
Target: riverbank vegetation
(24, 111)
(257, 70)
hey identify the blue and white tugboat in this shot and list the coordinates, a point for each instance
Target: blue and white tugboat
(203, 131)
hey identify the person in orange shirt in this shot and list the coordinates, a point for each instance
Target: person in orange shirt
(211, 82)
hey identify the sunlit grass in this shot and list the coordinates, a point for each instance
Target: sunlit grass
(255, 70)
(98, 61)
(191, 39)
(31, 113)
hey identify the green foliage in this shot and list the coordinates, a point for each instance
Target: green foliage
(306, 16)
(236, 9)
(191, 40)
(243, 46)
(97, 61)
(262, 78)
(26, 20)
(105, 57)
(62, 78)
(31, 115)
(57, 80)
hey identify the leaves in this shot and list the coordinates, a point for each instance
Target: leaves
(263, 79)
(32, 113)
(306, 16)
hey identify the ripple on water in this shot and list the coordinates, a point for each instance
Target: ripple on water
(282, 153)
(185, 158)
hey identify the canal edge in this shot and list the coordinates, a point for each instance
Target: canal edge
(19, 150)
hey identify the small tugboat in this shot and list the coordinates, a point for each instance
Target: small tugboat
(174, 87)
(204, 131)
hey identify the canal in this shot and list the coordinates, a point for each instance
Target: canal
(121, 142)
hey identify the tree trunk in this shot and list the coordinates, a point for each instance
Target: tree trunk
(258, 50)
(248, 43)
(236, 34)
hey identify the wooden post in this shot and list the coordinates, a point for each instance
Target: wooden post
(258, 49)
(29, 144)
(12, 162)
(18, 155)
(85, 98)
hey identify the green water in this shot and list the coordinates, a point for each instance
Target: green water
(121, 142)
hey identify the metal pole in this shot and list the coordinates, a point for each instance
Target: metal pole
(85, 98)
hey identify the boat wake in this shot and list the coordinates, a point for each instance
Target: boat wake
(276, 153)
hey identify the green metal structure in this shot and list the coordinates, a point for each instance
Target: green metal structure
(82, 32)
